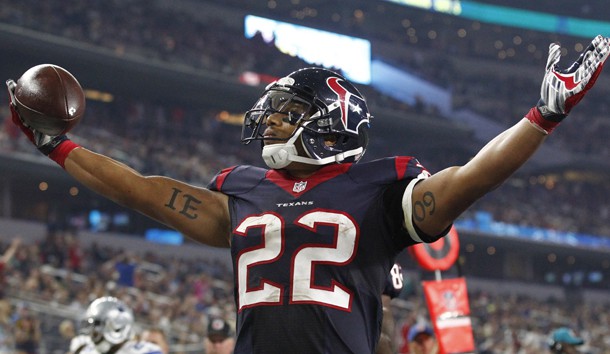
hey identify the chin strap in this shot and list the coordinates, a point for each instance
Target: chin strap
(278, 156)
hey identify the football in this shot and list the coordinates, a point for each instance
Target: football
(49, 99)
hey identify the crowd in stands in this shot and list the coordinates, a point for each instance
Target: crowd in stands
(142, 28)
(558, 206)
(210, 41)
(178, 294)
(174, 294)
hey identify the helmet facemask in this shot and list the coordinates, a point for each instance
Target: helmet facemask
(274, 101)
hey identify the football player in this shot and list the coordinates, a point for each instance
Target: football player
(393, 287)
(314, 237)
(108, 328)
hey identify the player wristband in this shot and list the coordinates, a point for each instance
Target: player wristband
(61, 151)
(539, 122)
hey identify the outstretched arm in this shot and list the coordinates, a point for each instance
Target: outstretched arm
(198, 213)
(448, 193)
(440, 199)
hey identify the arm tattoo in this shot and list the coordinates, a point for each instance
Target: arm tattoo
(424, 207)
(187, 201)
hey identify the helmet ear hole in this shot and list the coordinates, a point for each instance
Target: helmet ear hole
(331, 140)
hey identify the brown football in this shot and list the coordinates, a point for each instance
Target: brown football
(49, 99)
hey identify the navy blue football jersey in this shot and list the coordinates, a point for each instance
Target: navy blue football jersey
(311, 256)
(394, 282)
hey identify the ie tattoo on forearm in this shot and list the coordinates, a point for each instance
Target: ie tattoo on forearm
(424, 207)
(186, 203)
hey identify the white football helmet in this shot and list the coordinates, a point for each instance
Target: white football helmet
(108, 321)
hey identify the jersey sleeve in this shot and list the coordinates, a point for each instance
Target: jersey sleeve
(398, 175)
(394, 282)
(388, 170)
(217, 182)
(140, 347)
(237, 180)
(149, 348)
(398, 202)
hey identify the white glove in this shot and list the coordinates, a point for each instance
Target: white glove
(562, 89)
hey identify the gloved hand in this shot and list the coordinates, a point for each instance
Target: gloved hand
(562, 89)
(48, 145)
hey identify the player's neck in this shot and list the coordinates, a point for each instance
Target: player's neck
(301, 170)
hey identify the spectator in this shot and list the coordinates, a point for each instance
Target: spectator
(7, 341)
(156, 335)
(27, 333)
(220, 337)
(422, 339)
(75, 256)
(5, 260)
(564, 341)
(67, 331)
(125, 267)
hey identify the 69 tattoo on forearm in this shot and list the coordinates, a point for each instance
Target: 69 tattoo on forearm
(183, 203)
(424, 207)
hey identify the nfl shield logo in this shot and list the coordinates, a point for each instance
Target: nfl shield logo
(299, 187)
(450, 300)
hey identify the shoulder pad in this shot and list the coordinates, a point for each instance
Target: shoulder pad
(388, 170)
(237, 179)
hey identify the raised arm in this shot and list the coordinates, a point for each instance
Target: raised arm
(198, 213)
(440, 199)
(10, 251)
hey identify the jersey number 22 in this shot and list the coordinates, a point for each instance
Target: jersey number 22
(302, 285)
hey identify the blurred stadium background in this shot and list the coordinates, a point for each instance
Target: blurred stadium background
(167, 83)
